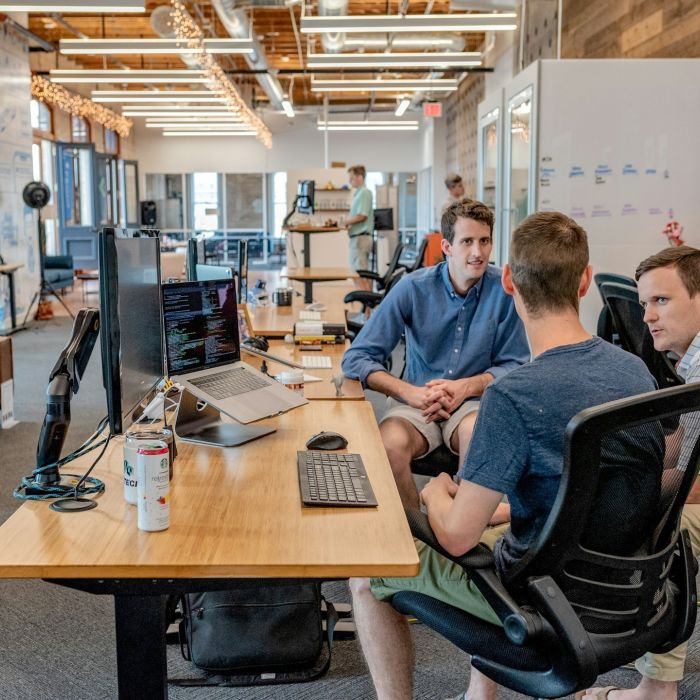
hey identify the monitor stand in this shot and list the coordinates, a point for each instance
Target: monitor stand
(204, 426)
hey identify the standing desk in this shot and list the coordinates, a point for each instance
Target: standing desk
(236, 514)
(307, 230)
(309, 275)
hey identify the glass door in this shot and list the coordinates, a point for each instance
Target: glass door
(76, 203)
(107, 190)
(129, 193)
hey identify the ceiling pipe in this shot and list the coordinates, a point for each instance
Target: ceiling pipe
(236, 22)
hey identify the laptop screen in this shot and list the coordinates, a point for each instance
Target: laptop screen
(201, 325)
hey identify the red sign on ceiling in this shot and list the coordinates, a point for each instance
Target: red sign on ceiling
(432, 109)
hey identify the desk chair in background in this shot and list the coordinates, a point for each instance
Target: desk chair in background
(627, 317)
(569, 611)
(381, 281)
(419, 260)
(606, 328)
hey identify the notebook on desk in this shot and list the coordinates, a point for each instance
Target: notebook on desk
(204, 356)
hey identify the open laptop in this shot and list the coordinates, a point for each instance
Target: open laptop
(203, 352)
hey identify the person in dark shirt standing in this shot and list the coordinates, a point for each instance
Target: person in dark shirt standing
(516, 450)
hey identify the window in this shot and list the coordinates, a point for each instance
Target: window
(40, 116)
(80, 129)
(279, 201)
(111, 141)
(166, 190)
(205, 201)
(244, 201)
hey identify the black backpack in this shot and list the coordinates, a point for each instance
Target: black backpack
(271, 633)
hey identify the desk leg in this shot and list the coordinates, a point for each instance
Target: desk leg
(141, 652)
(307, 251)
(308, 291)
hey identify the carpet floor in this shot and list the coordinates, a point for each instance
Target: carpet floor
(57, 643)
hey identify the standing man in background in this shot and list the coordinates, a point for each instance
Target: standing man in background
(360, 225)
(455, 191)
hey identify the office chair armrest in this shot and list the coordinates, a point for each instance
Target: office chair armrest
(370, 299)
(368, 274)
(520, 624)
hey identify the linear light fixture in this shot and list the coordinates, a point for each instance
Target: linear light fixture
(376, 125)
(287, 107)
(209, 133)
(402, 107)
(197, 126)
(496, 21)
(128, 94)
(71, 75)
(176, 109)
(160, 100)
(95, 47)
(160, 113)
(446, 59)
(85, 6)
(398, 85)
(413, 41)
(231, 119)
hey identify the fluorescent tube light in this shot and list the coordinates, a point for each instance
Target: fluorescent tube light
(95, 94)
(368, 128)
(161, 113)
(209, 133)
(84, 6)
(232, 126)
(376, 125)
(412, 41)
(93, 47)
(403, 106)
(371, 122)
(159, 100)
(409, 23)
(287, 107)
(68, 76)
(446, 59)
(399, 85)
(231, 119)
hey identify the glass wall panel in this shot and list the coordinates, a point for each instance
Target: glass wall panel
(244, 201)
(131, 191)
(76, 171)
(204, 198)
(167, 191)
(519, 111)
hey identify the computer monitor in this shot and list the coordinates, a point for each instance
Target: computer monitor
(306, 196)
(213, 272)
(130, 316)
(383, 219)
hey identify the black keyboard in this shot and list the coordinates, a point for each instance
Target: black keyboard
(334, 479)
(230, 382)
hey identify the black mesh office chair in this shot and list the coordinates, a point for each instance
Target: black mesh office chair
(628, 319)
(382, 280)
(606, 328)
(574, 608)
(419, 259)
(369, 300)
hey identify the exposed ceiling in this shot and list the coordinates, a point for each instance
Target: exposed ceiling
(275, 24)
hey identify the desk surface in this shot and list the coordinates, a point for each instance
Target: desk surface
(306, 228)
(234, 513)
(314, 391)
(319, 274)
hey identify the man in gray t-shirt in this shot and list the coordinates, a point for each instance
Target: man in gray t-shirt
(517, 450)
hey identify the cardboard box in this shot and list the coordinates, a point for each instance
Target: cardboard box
(6, 383)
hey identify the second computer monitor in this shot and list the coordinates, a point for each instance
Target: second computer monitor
(383, 219)
(213, 272)
(305, 196)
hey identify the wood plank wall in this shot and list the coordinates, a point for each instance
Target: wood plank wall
(630, 29)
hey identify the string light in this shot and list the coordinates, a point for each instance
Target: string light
(57, 96)
(187, 30)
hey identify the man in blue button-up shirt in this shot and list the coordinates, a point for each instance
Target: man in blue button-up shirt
(461, 331)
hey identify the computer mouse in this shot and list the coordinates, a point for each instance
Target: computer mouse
(326, 441)
(257, 341)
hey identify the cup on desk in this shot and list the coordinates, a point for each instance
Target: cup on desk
(293, 379)
(282, 296)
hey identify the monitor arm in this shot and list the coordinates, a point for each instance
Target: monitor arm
(64, 381)
(285, 223)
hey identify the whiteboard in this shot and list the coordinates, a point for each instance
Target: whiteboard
(619, 151)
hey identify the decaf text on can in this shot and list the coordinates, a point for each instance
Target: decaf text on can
(153, 489)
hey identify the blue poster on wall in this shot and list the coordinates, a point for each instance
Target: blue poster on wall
(67, 184)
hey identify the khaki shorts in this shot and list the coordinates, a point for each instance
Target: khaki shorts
(360, 248)
(435, 433)
(443, 580)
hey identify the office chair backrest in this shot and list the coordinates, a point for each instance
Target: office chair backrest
(628, 320)
(603, 277)
(391, 267)
(622, 578)
(420, 256)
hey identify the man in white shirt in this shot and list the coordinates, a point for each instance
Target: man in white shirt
(455, 191)
(669, 291)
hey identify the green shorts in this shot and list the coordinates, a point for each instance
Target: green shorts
(444, 580)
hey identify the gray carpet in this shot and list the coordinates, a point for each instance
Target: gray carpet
(59, 643)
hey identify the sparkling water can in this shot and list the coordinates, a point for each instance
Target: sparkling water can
(153, 489)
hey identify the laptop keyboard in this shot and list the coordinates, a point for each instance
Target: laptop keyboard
(230, 382)
(333, 479)
(316, 362)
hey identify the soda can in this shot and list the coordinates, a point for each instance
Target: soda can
(153, 489)
(133, 439)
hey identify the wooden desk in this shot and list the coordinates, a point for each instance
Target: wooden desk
(314, 391)
(309, 275)
(307, 230)
(235, 513)
(9, 269)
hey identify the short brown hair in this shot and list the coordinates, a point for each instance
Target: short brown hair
(452, 179)
(357, 170)
(464, 209)
(548, 254)
(683, 258)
